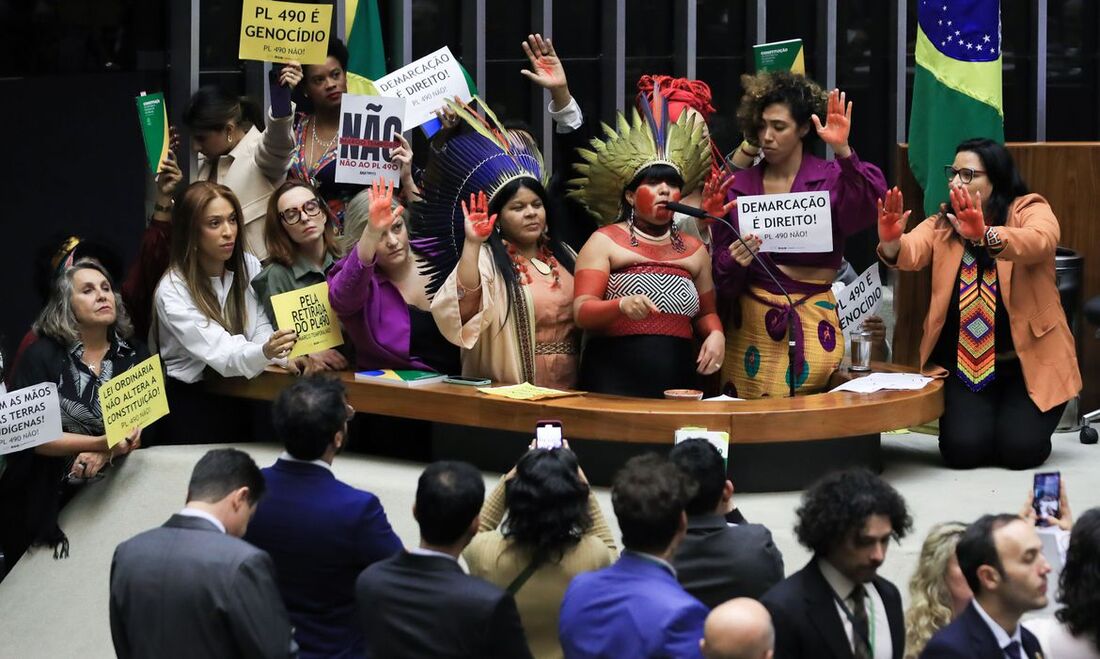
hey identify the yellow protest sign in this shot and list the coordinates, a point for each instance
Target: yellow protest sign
(284, 31)
(307, 311)
(133, 399)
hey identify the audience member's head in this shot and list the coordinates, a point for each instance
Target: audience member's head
(703, 465)
(213, 115)
(649, 494)
(848, 518)
(449, 495)
(738, 629)
(1001, 557)
(227, 484)
(938, 590)
(547, 502)
(1080, 580)
(63, 250)
(83, 299)
(297, 219)
(310, 417)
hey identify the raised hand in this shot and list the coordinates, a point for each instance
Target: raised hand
(546, 69)
(403, 155)
(382, 212)
(968, 219)
(168, 176)
(891, 218)
(291, 75)
(838, 121)
(714, 195)
(479, 224)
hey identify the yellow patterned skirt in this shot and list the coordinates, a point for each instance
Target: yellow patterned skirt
(757, 365)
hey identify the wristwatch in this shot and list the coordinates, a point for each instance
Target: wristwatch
(993, 240)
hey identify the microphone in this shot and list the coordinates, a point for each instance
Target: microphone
(692, 211)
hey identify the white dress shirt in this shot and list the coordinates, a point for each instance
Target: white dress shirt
(195, 512)
(567, 119)
(189, 341)
(877, 622)
(999, 633)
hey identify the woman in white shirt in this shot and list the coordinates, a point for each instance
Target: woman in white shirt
(207, 316)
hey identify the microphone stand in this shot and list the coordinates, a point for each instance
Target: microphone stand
(701, 214)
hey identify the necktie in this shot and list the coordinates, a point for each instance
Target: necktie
(213, 176)
(861, 634)
(1012, 650)
(977, 307)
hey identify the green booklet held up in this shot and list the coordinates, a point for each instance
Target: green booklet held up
(780, 56)
(154, 127)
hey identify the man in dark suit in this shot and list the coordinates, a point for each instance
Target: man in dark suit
(718, 561)
(320, 532)
(193, 588)
(1001, 557)
(636, 608)
(419, 603)
(837, 606)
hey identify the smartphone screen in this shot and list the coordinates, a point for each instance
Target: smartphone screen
(548, 434)
(1048, 489)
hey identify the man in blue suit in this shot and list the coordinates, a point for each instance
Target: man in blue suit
(320, 531)
(636, 608)
(1001, 557)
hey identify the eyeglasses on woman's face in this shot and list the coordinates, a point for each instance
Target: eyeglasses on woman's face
(965, 174)
(294, 215)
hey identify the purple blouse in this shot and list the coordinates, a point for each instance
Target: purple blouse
(854, 186)
(374, 315)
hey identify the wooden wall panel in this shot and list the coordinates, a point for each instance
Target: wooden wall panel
(1068, 175)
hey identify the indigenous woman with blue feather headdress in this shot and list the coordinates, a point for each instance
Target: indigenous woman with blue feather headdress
(502, 282)
(641, 283)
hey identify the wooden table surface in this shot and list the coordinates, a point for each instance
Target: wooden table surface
(635, 420)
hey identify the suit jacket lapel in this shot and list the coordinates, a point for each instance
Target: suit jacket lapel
(981, 637)
(823, 613)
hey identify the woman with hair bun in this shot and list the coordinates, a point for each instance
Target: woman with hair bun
(784, 113)
(553, 531)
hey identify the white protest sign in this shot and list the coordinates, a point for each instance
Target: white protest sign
(369, 126)
(427, 84)
(795, 223)
(29, 417)
(859, 299)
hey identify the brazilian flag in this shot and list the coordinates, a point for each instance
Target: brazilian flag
(957, 87)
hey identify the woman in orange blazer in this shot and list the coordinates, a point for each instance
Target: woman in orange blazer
(995, 325)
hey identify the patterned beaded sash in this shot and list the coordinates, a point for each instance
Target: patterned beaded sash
(977, 306)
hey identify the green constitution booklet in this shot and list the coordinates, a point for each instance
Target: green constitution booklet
(780, 56)
(154, 127)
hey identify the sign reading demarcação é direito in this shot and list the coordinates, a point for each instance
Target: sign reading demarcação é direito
(29, 417)
(426, 84)
(796, 222)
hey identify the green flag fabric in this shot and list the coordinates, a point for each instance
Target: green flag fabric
(956, 87)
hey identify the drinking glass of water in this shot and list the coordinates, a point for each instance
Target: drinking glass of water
(861, 350)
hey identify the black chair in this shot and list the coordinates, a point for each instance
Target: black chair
(1092, 315)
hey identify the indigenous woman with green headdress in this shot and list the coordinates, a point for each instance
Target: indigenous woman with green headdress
(641, 283)
(502, 282)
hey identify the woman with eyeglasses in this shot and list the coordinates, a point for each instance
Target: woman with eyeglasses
(995, 326)
(301, 240)
(208, 319)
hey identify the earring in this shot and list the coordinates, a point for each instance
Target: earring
(630, 223)
(675, 238)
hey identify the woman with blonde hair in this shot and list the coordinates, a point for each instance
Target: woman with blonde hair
(937, 591)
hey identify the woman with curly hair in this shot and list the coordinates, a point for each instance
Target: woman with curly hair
(554, 531)
(1078, 635)
(938, 590)
(782, 112)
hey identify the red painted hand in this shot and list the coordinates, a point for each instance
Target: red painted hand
(891, 219)
(478, 221)
(382, 212)
(969, 221)
(714, 196)
(838, 120)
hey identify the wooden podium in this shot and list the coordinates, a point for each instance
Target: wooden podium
(776, 444)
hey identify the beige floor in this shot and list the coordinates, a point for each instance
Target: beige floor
(54, 608)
